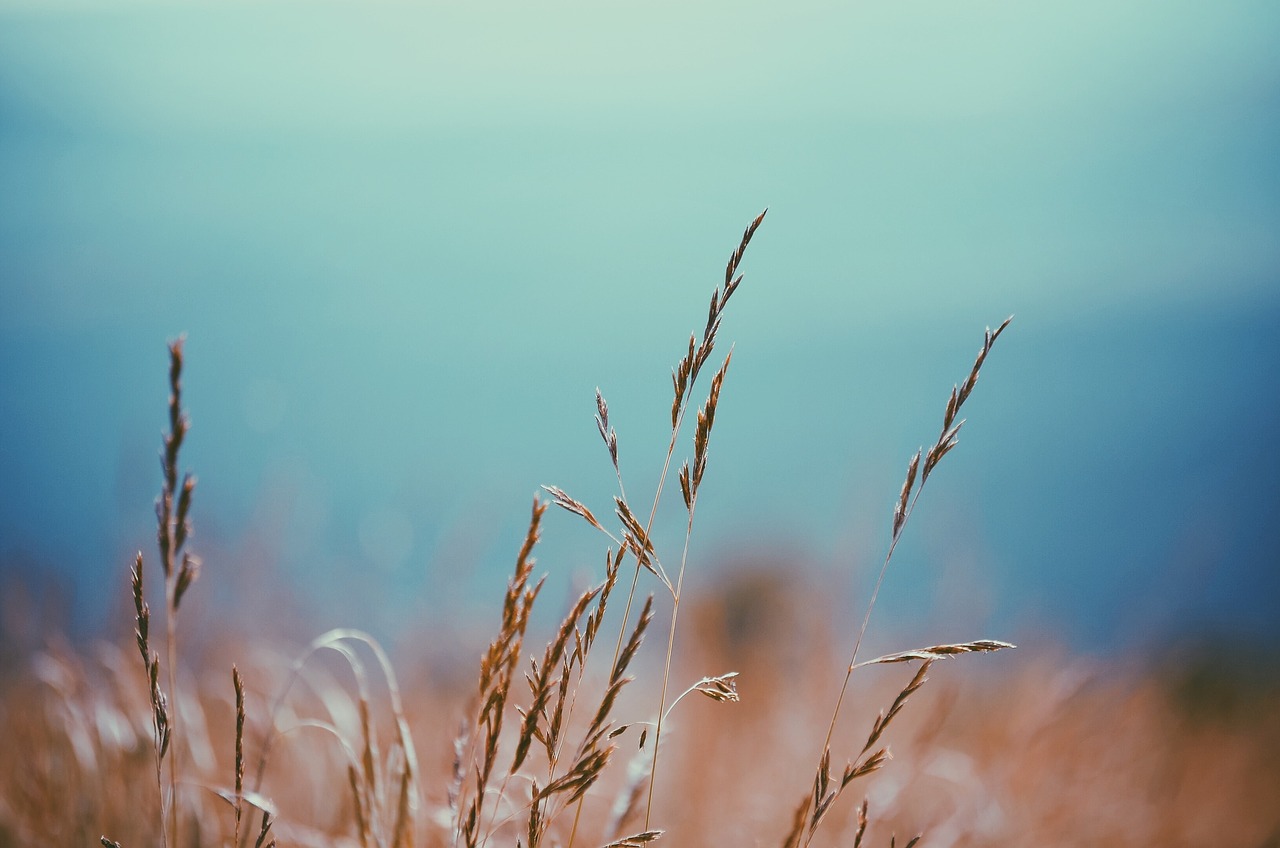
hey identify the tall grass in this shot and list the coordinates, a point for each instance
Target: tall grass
(523, 764)
(561, 744)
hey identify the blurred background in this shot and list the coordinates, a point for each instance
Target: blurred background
(408, 240)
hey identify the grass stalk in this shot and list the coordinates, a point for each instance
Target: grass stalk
(520, 763)
(907, 499)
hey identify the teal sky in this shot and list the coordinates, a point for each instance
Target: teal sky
(408, 240)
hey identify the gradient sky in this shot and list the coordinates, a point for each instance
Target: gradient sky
(408, 240)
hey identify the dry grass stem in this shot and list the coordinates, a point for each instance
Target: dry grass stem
(238, 683)
(497, 669)
(532, 761)
(180, 570)
(908, 496)
(939, 652)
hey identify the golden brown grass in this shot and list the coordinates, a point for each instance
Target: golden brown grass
(1045, 749)
(566, 744)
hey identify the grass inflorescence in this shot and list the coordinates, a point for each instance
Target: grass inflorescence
(563, 744)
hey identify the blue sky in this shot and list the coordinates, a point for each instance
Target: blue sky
(408, 240)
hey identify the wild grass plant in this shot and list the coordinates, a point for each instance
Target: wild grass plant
(572, 742)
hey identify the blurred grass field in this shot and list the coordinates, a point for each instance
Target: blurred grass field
(237, 729)
(1020, 748)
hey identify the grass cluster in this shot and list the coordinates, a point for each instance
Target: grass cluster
(579, 740)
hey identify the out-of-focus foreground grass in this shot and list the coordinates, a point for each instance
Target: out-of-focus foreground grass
(1021, 749)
